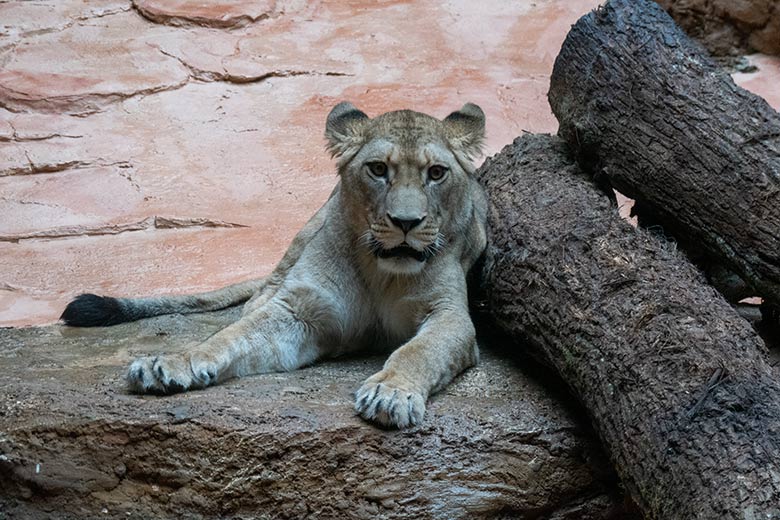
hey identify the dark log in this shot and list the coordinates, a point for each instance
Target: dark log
(676, 383)
(646, 110)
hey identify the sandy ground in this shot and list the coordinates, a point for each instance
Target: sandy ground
(174, 146)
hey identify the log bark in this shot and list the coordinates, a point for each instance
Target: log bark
(728, 27)
(676, 383)
(646, 110)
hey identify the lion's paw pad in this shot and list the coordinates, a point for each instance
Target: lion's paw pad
(389, 406)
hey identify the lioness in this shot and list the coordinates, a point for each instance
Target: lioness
(382, 263)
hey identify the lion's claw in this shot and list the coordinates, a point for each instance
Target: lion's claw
(388, 405)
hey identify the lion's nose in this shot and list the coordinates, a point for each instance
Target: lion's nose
(406, 224)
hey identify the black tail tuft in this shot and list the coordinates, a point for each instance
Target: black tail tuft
(91, 310)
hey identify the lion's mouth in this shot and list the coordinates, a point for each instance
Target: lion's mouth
(404, 251)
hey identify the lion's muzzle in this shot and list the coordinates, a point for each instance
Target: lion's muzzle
(404, 251)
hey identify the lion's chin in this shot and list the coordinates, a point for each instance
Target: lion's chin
(400, 265)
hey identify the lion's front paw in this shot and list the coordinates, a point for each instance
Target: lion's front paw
(168, 374)
(389, 405)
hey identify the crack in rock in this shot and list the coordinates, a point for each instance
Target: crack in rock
(149, 223)
(28, 202)
(201, 15)
(18, 100)
(16, 138)
(212, 76)
(54, 167)
(80, 105)
(35, 169)
(93, 15)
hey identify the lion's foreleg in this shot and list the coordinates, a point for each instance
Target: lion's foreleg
(444, 346)
(284, 334)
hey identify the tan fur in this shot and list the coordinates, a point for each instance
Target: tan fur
(334, 292)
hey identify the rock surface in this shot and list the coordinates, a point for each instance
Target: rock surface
(223, 14)
(74, 444)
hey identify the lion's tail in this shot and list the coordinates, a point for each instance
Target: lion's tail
(91, 310)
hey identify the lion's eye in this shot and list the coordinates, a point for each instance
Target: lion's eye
(377, 169)
(437, 172)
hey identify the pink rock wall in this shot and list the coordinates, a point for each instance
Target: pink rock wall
(176, 146)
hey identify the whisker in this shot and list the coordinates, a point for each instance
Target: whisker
(374, 246)
(438, 243)
(366, 239)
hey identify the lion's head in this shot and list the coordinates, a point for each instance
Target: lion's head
(405, 180)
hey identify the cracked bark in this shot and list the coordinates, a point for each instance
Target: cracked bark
(646, 111)
(676, 383)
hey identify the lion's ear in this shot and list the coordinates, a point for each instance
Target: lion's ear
(344, 130)
(466, 129)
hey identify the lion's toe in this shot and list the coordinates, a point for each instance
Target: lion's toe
(389, 406)
(160, 375)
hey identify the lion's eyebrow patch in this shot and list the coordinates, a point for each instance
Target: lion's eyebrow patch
(396, 155)
(433, 153)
